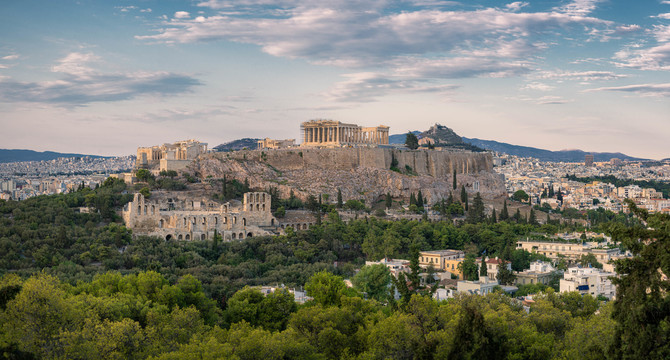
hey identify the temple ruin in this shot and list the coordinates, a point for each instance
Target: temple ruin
(166, 157)
(331, 133)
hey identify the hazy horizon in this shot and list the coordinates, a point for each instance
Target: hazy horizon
(103, 78)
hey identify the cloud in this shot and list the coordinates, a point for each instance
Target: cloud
(516, 6)
(363, 38)
(579, 7)
(662, 16)
(643, 89)
(407, 49)
(182, 15)
(81, 84)
(367, 86)
(10, 57)
(580, 75)
(654, 58)
(551, 100)
(538, 86)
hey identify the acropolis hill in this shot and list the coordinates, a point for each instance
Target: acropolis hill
(359, 172)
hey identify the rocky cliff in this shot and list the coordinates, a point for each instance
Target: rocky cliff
(360, 173)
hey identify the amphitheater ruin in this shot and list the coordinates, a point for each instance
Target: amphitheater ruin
(183, 218)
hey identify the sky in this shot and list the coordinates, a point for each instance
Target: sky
(104, 77)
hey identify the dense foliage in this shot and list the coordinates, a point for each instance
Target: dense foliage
(78, 285)
(143, 316)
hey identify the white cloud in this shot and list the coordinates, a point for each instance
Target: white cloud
(551, 100)
(516, 6)
(82, 84)
(325, 35)
(580, 75)
(76, 64)
(367, 86)
(182, 15)
(10, 57)
(579, 7)
(538, 86)
(643, 89)
(662, 16)
(654, 58)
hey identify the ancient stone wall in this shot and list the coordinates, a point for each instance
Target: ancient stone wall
(434, 163)
(171, 217)
(359, 173)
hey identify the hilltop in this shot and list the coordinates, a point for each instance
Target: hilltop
(239, 144)
(17, 155)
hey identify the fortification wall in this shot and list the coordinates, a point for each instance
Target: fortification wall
(438, 164)
(359, 173)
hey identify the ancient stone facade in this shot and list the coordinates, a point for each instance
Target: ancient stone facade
(268, 143)
(331, 133)
(169, 156)
(171, 217)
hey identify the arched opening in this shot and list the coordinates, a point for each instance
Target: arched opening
(241, 236)
(145, 210)
(153, 210)
(258, 207)
(234, 236)
(184, 222)
(272, 222)
(204, 221)
(263, 207)
(187, 237)
(234, 219)
(263, 197)
(180, 237)
(139, 209)
(250, 235)
(168, 237)
(216, 220)
(161, 223)
(202, 237)
(244, 222)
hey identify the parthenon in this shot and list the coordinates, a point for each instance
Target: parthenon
(331, 133)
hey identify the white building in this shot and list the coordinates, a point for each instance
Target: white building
(482, 286)
(590, 281)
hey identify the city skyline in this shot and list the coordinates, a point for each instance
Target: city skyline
(104, 78)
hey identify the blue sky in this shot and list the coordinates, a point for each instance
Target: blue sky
(104, 77)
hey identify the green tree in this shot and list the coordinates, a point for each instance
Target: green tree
(325, 288)
(476, 213)
(642, 306)
(143, 175)
(419, 200)
(483, 271)
(453, 177)
(468, 267)
(339, 199)
(504, 214)
(373, 280)
(464, 197)
(411, 141)
(388, 200)
(520, 196)
(505, 276)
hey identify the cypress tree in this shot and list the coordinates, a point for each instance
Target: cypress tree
(454, 178)
(339, 198)
(419, 200)
(483, 271)
(412, 199)
(504, 214)
(464, 197)
(531, 218)
(389, 200)
(493, 216)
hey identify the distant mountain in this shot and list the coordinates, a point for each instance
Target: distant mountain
(546, 155)
(400, 138)
(15, 155)
(238, 144)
